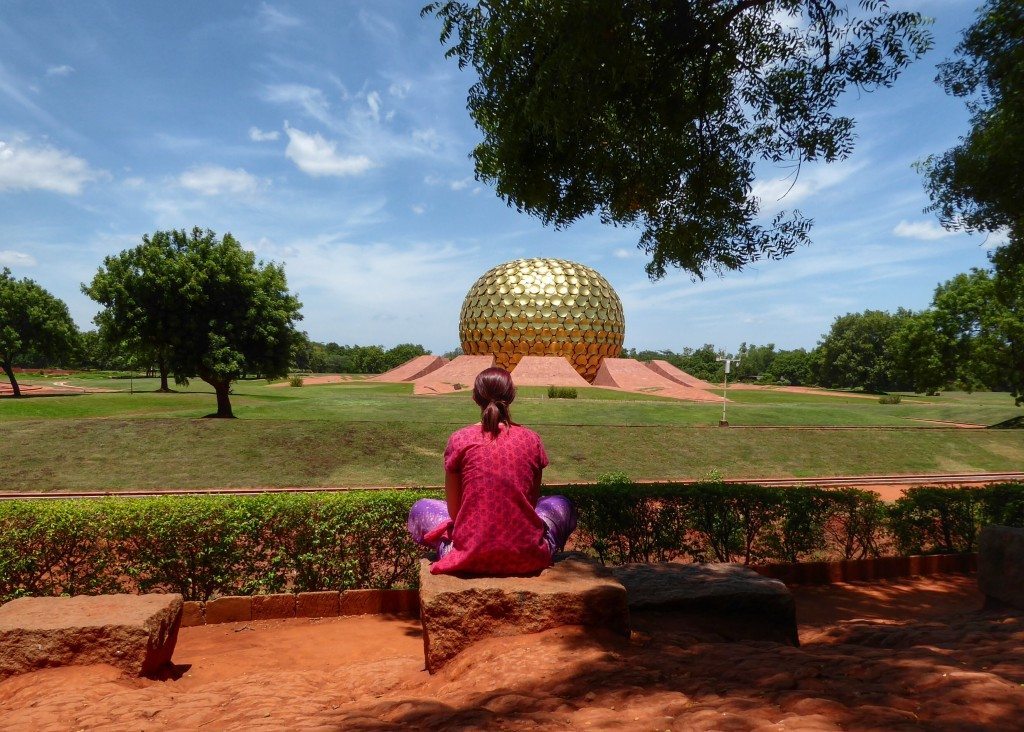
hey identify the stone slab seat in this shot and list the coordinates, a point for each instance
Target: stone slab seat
(729, 600)
(135, 633)
(1001, 565)
(458, 611)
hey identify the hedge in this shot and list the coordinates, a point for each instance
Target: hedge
(204, 546)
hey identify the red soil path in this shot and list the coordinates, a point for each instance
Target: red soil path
(902, 655)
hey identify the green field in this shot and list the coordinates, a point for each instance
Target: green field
(361, 433)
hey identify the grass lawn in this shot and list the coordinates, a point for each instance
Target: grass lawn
(380, 434)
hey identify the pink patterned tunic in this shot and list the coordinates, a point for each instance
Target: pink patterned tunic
(497, 531)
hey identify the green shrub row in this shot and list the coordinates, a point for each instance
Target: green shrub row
(562, 392)
(204, 546)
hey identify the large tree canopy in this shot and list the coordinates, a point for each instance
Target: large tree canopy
(978, 185)
(32, 320)
(654, 113)
(858, 351)
(141, 304)
(216, 312)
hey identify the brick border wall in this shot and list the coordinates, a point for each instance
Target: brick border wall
(237, 609)
(240, 608)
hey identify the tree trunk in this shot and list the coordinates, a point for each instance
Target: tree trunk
(163, 376)
(10, 375)
(223, 389)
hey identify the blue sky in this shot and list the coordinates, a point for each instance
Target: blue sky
(333, 137)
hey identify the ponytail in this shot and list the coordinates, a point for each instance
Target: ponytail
(493, 391)
(493, 415)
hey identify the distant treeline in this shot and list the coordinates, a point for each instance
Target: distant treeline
(331, 358)
(965, 340)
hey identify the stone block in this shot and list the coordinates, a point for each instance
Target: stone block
(731, 600)
(192, 614)
(1001, 564)
(317, 605)
(135, 633)
(229, 609)
(458, 611)
(273, 607)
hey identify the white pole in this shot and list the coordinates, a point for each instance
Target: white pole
(725, 385)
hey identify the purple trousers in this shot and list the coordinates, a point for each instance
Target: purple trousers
(557, 513)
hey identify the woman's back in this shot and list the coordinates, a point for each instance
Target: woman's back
(497, 530)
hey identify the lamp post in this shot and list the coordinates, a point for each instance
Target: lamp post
(725, 385)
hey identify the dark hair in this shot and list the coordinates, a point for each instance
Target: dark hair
(493, 391)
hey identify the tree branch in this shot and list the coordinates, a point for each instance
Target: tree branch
(731, 14)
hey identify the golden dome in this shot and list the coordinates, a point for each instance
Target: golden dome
(543, 307)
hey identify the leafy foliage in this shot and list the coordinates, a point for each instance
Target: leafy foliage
(203, 305)
(562, 392)
(32, 321)
(333, 358)
(654, 114)
(138, 290)
(204, 546)
(858, 351)
(978, 185)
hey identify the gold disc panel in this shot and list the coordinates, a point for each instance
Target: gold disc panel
(543, 307)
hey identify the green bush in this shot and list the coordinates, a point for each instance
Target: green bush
(205, 546)
(936, 520)
(295, 381)
(561, 392)
(890, 399)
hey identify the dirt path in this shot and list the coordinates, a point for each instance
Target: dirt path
(901, 655)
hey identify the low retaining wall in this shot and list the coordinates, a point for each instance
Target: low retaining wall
(239, 609)
(867, 570)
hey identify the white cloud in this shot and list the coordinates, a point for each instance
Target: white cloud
(923, 230)
(455, 184)
(418, 209)
(373, 102)
(270, 18)
(784, 192)
(62, 70)
(25, 168)
(399, 89)
(319, 157)
(258, 135)
(622, 253)
(310, 99)
(11, 258)
(213, 180)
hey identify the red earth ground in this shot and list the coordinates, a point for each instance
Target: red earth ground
(901, 655)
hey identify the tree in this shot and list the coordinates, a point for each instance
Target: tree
(31, 319)
(964, 339)
(978, 185)
(792, 367)
(1008, 319)
(235, 316)
(921, 353)
(754, 361)
(654, 114)
(857, 351)
(403, 352)
(141, 305)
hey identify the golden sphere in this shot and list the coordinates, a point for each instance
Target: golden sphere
(543, 307)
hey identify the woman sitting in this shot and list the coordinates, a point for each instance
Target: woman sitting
(493, 521)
